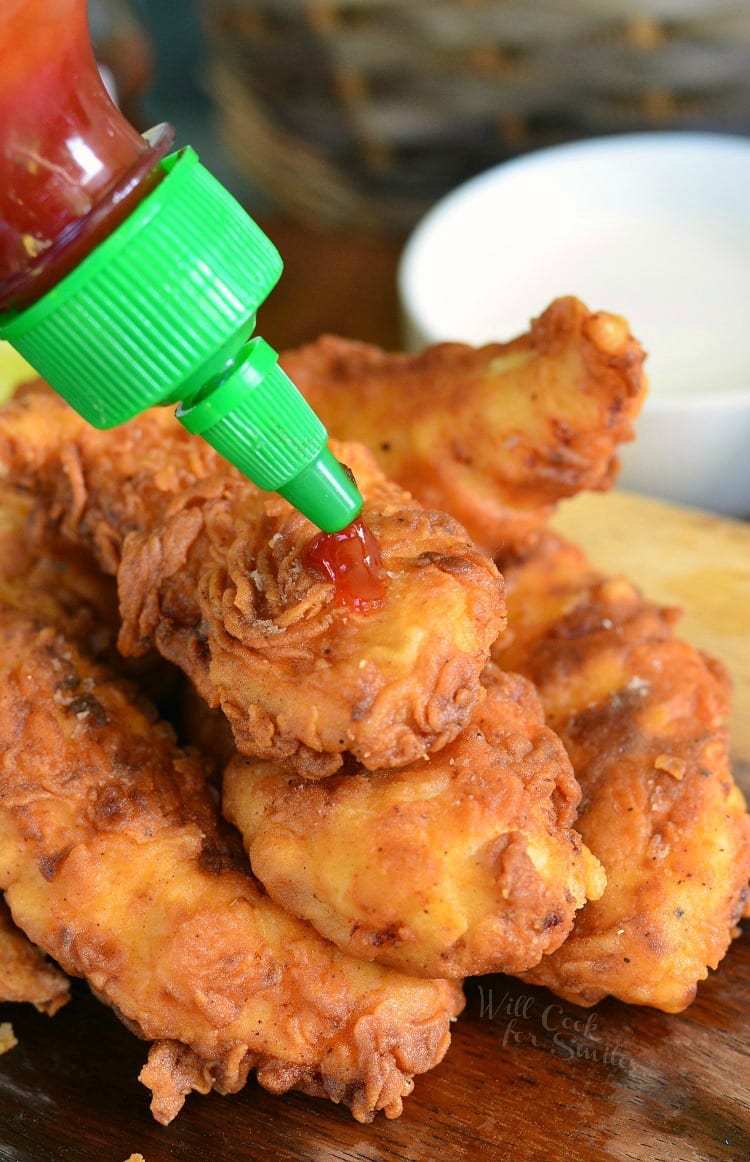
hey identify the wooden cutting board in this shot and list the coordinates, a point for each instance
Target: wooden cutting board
(527, 1077)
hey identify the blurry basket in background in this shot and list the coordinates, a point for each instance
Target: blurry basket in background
(123, 46)
(366, 111)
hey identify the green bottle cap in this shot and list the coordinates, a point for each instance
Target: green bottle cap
(255, 417)
(161, 308)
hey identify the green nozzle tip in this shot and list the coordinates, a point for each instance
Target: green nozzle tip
(325, 493)
(255, 417)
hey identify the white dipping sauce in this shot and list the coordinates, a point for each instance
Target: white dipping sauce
(652, 226)
(670, 278)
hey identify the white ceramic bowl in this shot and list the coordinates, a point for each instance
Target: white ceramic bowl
(652, 226)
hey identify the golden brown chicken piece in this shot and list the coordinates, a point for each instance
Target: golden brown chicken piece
(495, 436)
(25, 974)
(210, 571)
(641, 715)
(111, 863)
(61, 582)
(461, 865)
(63, 585)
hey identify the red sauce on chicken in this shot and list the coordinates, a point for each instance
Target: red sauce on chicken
(351, 560)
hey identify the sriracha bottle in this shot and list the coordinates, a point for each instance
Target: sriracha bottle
(130, 277)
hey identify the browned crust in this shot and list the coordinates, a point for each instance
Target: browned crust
(641, 714)
(111, 863)
(495, 435)
(25, 974)
(210, 572)
(466, 864)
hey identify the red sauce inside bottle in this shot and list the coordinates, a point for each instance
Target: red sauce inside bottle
(71, 166)
(351, 560)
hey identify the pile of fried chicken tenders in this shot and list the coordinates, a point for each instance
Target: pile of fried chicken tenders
(511, 763)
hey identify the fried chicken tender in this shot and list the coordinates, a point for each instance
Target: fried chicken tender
(461, 865)
(25, 974)
(641, 715)
(62, 583)
(112, 864)
(497, 435)
(210, 571)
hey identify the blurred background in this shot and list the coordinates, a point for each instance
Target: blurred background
(364, 112)
(339, 122)
(159, 55)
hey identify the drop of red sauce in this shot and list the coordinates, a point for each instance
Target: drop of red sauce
(351, 560)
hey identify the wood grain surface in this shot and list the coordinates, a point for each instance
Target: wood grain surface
(527, 1076)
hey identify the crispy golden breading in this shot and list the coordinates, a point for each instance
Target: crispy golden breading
(65, 586)
(495, 436)
(641, 715)
(461, 865)
(15, 557)
(25, 974)
(112, 864)
(61, 582)
(210, 572)
(205, 729)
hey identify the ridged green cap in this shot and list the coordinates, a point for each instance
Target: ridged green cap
(256, 418)
(162, 307)
(158, 306)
